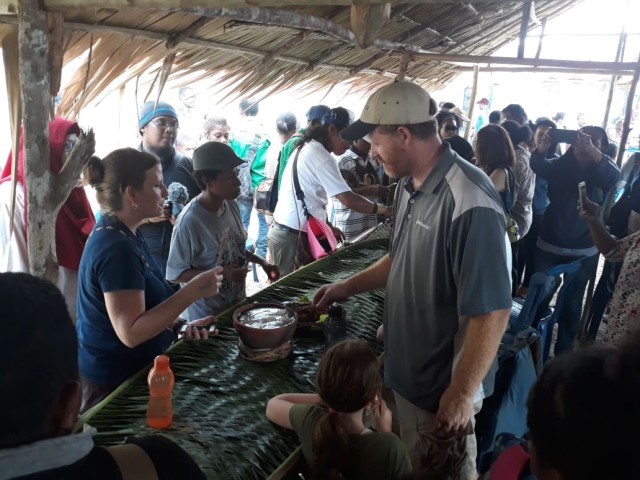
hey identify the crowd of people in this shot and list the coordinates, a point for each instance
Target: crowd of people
(471, 225)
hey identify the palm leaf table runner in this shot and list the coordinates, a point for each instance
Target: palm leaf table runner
(219, 397)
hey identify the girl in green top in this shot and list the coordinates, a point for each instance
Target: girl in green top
(329, 424)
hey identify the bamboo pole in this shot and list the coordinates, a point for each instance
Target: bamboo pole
(548, 70)
(524, 27)
(474, 91)
(627, 117)
(528, 62)
(542, 29)
(614, 78)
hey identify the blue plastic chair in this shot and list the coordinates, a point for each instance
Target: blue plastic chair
(535, 312)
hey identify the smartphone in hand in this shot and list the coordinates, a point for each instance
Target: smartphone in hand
(582, 194)
(560, 135)
(211, 328)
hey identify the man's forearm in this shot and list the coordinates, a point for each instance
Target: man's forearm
(481, 342)
(371, 278)
(356, 202)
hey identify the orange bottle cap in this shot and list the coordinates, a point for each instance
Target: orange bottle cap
(161, 362)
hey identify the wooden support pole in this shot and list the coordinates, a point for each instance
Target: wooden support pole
(404, 65)
(367, 20)
(614, 79)
(627, 117)
(542, 29)
(524, 27)
(46, 192)
(472, 104)
(33, 33)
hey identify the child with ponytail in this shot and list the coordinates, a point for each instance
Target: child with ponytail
(329, 423)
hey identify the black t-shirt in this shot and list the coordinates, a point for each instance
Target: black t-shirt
(175, 168)
(170, 461)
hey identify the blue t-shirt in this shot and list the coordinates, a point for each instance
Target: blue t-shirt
(115, 259)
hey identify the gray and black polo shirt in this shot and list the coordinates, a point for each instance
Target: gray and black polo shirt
(449, 261)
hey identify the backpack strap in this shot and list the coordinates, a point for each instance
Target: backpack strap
(296, 182)
(253, 149)
(134, 463)
(510, 186)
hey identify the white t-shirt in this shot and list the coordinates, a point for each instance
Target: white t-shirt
(319, 178)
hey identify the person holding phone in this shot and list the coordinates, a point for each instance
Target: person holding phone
(335, 441)
(624, 307)
(209, 232)
(127, 312)
(564, 237)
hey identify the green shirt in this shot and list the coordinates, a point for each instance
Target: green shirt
(241, 141)
(285, 153)
(380, 455)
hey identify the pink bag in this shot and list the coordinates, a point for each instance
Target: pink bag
(322, 241)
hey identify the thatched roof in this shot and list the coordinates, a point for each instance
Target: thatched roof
(264, 49)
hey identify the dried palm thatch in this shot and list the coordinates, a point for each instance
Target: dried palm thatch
(255, 51)
(219, 397)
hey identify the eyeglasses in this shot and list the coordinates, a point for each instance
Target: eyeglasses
(450, 128)
(161, 123)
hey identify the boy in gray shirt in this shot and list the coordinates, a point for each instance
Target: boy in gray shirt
(209, 232)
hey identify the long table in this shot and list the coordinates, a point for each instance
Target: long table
(219, 397)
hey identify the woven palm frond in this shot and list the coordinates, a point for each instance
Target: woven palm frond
(219, 398)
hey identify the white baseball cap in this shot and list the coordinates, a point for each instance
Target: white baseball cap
(399, 103)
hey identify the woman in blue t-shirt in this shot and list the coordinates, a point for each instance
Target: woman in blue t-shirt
(127, 312)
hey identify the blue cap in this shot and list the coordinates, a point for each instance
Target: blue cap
(338, 116)
(317, 112)
(147, 112)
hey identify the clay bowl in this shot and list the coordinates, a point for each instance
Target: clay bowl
(264, 338)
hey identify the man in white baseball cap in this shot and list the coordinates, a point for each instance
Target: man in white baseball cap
(447, 279)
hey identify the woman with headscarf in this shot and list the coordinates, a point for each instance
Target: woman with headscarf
(73, 224)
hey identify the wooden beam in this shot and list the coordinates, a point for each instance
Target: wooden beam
(290, 19)
(187, 32)
(56, 50)
(568, 64)
(367, 21)
(9, 6)
(472, 101)
(129, 32)
(367, 63)
(296, 40)
(524, 27)
(324, 56)
(548, 70)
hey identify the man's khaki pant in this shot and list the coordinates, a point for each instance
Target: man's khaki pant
(434, 457)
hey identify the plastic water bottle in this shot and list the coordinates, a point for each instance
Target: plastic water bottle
(160, 380)
(335, 326)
